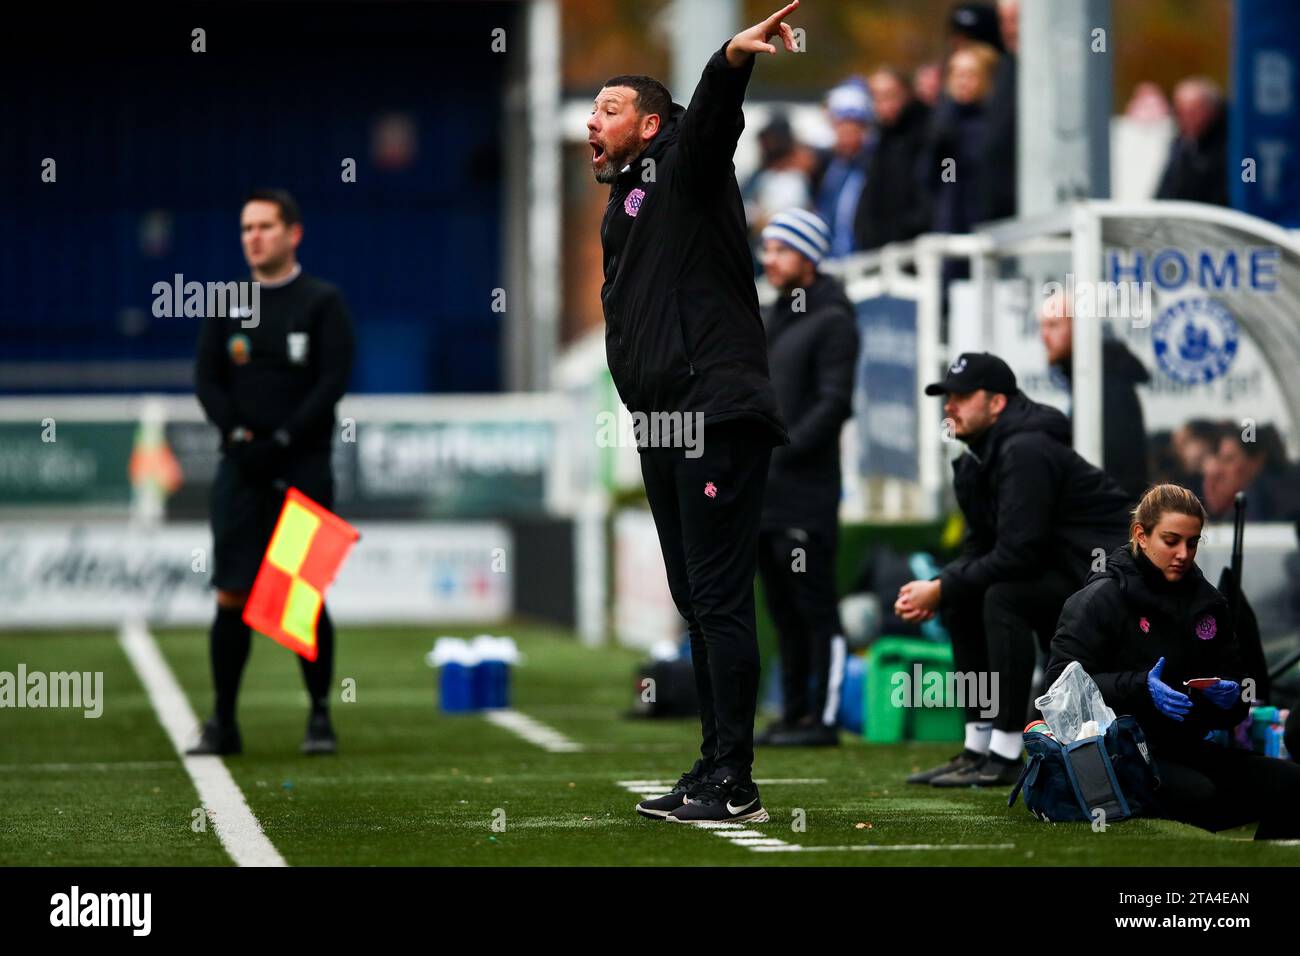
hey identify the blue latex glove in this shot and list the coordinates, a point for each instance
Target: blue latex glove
(1223, 694)
(1167, 700)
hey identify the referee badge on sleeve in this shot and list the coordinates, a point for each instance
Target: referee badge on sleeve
(298, 347)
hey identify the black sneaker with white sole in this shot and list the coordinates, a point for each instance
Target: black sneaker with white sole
(659, 807)
(963, 761)
(722, 799)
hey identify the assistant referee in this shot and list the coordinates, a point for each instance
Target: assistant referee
(269, 382)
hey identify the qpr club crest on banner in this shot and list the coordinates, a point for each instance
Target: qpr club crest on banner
(632, 204)
(1195, 340)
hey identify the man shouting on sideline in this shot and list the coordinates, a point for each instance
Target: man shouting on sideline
(687, 351)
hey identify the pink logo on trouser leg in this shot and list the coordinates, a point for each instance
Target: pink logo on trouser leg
(711, 489)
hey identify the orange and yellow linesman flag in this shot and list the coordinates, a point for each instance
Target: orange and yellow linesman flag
(305, 553)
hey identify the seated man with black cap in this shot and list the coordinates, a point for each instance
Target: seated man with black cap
(1038, 518)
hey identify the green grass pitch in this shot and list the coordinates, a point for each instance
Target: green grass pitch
(413, 787)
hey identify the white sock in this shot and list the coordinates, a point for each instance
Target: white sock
(1007, 744)
(977, 736)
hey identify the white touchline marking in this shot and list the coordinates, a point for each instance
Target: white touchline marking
(93, 765)
(653, 784)
(738, 834)
(533, 731)
(880, 847)
(232, 820)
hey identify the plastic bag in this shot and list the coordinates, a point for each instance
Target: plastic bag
(1073, 706)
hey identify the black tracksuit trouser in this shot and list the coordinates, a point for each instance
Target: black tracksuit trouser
(706, 511)
(798, 570)
(995, 634)
(1217, 788)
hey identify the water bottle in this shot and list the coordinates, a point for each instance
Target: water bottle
(457, 666)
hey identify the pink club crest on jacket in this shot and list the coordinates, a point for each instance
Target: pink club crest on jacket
(1206, 627)
(711, 489)
(632, 204)
(1145, 625)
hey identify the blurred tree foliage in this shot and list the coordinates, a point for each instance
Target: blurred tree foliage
(1159, 40)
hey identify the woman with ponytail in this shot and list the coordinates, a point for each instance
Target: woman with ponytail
(1157, 639)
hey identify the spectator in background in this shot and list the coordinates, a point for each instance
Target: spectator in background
(782, 180)
(1197, 169)
(1192, 443)
(927, 83)
(1139, 146)
(1217, 482)
(843, 172)
(892, 207)
(1147, 104)
(1123, 427)
(1259, 468)
(950, 171)
(997, 31)
(998, 156)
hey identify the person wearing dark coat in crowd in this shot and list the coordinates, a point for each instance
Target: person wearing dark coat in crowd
(1197, 169)
(812, 339)
(892, 207)
(950, 169)
(1037, 518)
(1145, 626)
(997, 195)
(1124, 438)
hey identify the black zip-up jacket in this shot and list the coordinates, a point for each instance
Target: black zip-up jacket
(812, 354)
(1031, 503)
(1125, 619)
(682, 326)
(287, 372)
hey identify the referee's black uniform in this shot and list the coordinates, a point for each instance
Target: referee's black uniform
(683, 335)
(276, 377)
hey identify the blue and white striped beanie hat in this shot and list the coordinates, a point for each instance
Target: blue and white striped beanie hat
(802, 231)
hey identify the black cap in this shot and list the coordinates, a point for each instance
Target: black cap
(973, 371)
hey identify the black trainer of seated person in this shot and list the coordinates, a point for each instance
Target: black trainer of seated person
(1037, 517)
(1151, 618)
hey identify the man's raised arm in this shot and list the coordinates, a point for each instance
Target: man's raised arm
(713, 121)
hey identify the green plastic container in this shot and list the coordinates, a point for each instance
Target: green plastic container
(884, 721)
